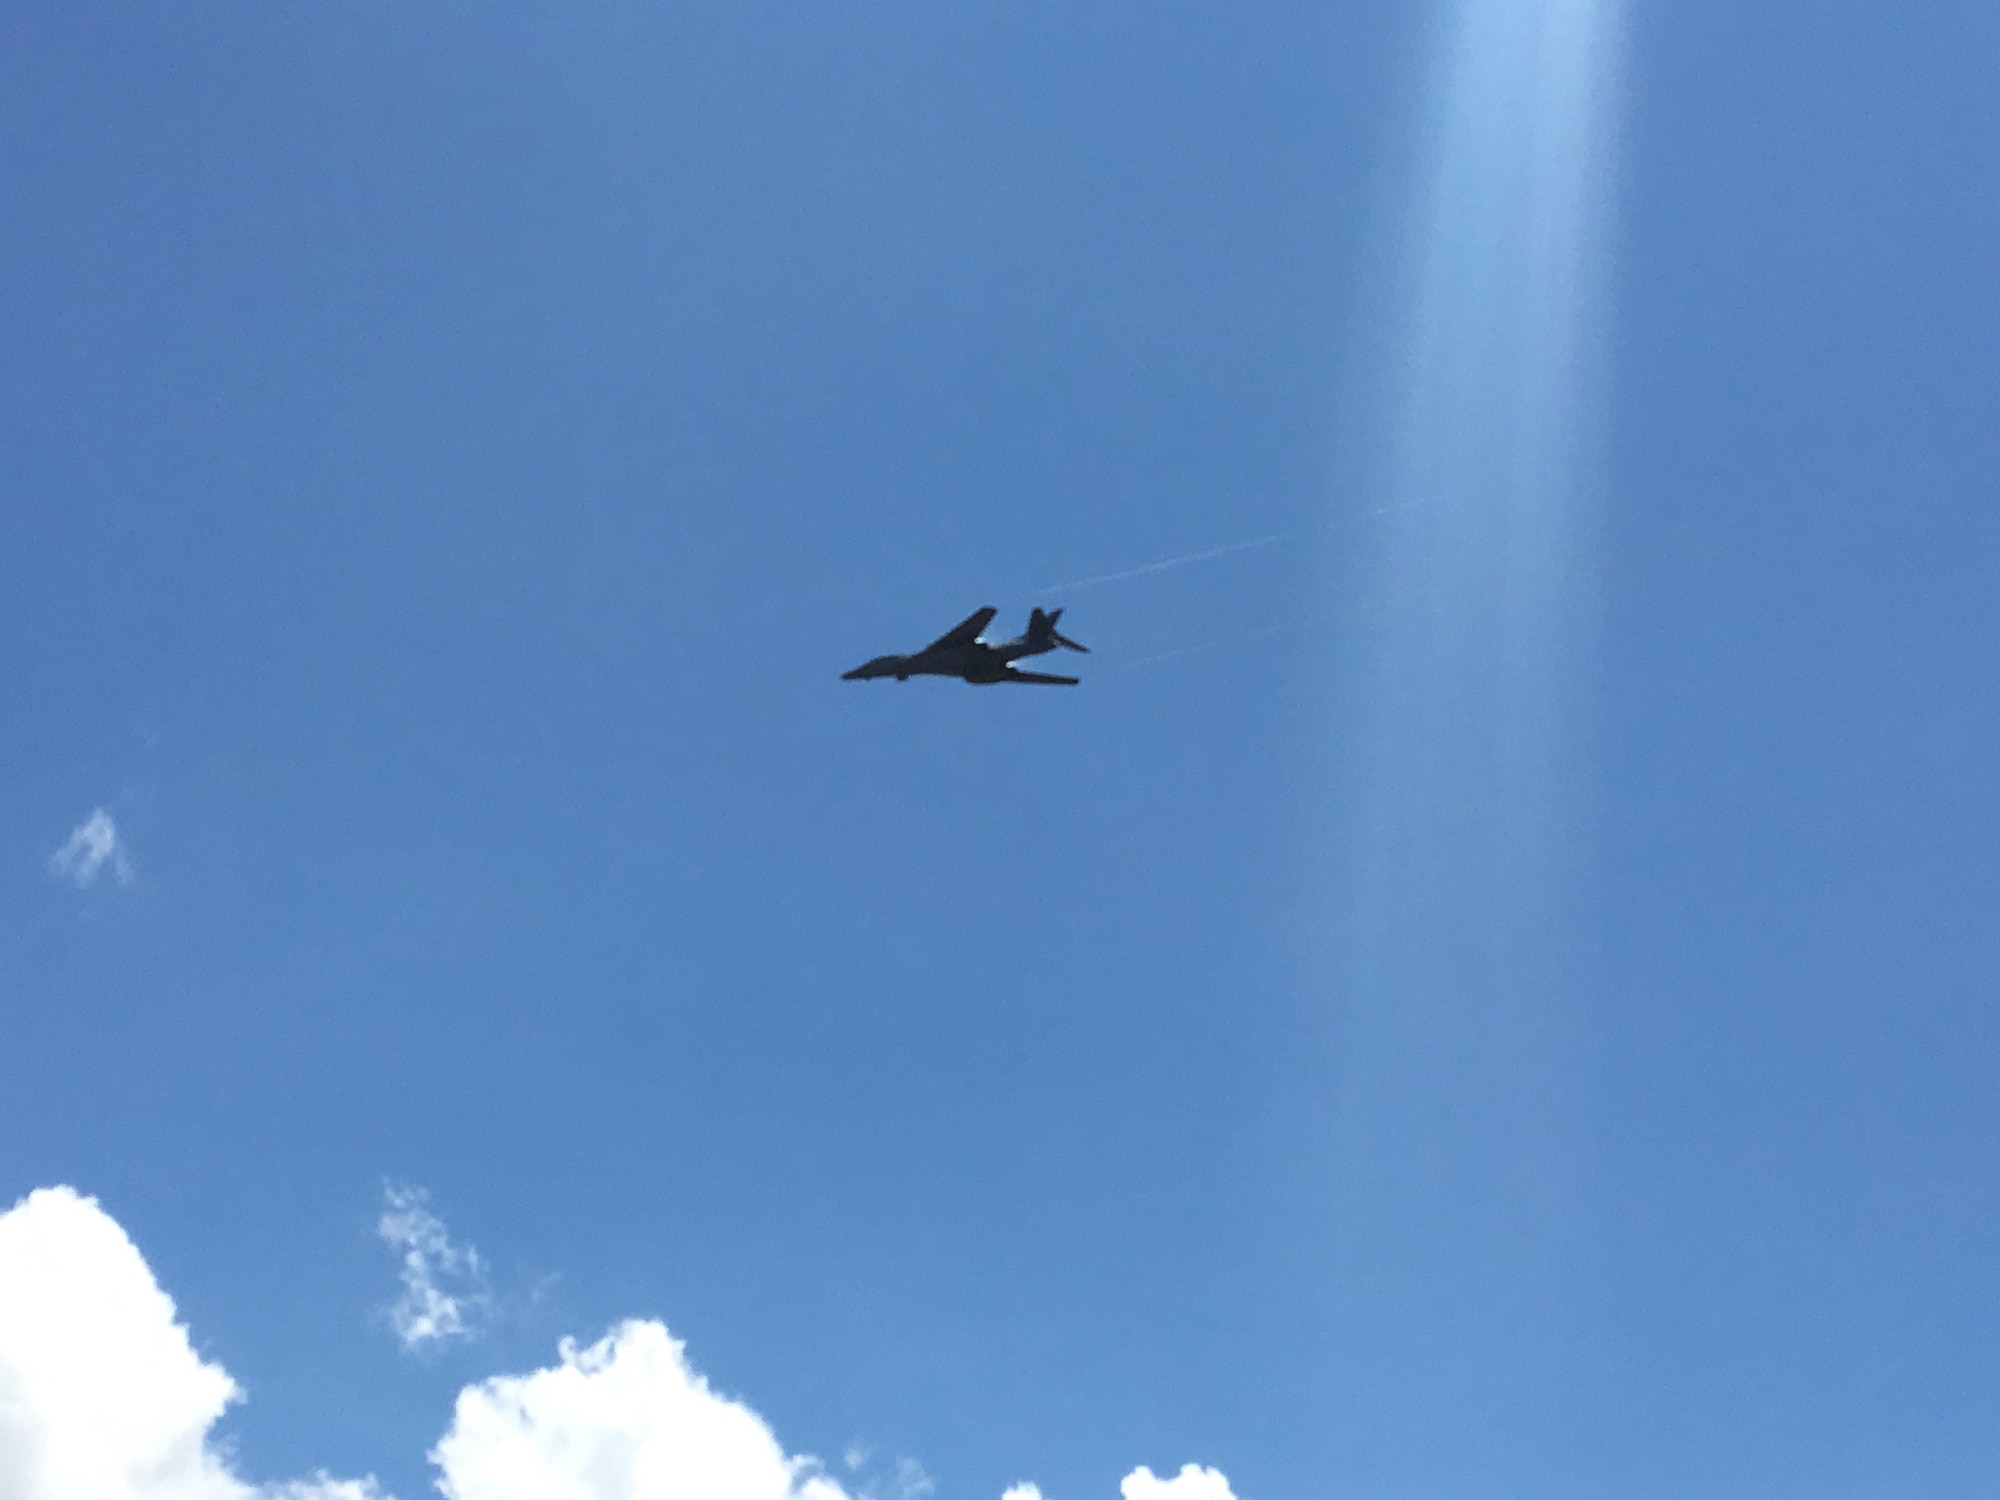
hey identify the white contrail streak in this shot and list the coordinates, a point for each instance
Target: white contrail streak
(1169, 564)
(1241, 638)
(1227, 549)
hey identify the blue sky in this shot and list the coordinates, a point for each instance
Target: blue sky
(450, 454)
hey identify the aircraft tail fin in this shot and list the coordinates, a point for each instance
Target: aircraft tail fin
(1043, 635)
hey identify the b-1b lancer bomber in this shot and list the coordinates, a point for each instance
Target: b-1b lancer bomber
(959, 652)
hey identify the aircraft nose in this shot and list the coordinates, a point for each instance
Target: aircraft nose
(881, 666)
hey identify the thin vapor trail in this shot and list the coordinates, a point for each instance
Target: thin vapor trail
(1291, 625)
(1168, 564)
(1209, 554)
(1241, 638)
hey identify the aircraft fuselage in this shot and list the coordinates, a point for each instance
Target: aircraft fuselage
(962, 653)
(975, 662)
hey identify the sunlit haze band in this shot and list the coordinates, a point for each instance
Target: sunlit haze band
(1454, 1123)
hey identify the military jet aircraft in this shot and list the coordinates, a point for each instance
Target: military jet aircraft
(959, 652)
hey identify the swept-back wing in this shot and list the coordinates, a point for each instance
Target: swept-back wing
(1015, 674)
(965, 632)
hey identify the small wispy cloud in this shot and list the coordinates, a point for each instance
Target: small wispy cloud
(905, 1479)
(94, 846)
(445, 1292)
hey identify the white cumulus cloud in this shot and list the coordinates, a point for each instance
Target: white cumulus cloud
(101, 1395)
(93, 847)
(1192, 1483)
(444, 1283)
(626, 1418)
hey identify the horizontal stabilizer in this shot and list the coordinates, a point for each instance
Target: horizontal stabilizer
(1043, 635)
(1015, 674)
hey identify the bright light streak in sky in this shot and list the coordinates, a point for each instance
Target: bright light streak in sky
(1459, 1082)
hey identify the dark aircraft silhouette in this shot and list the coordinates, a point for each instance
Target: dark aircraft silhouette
(959, 652)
